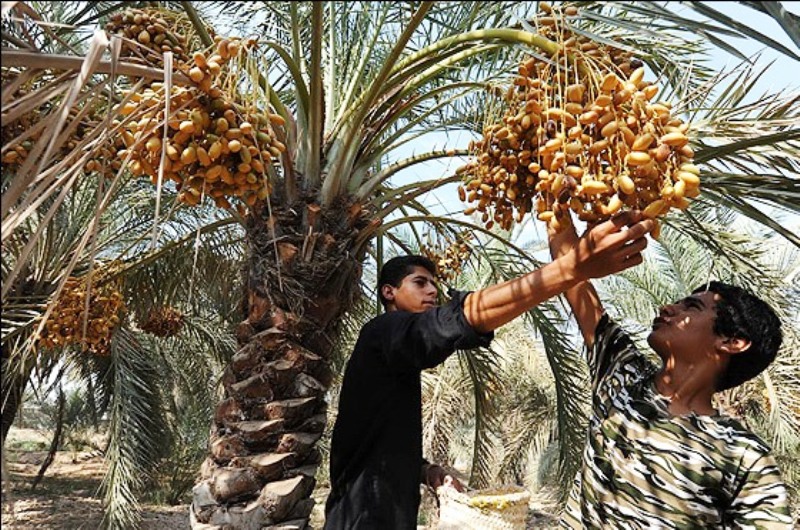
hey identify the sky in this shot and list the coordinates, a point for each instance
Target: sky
(784, 72)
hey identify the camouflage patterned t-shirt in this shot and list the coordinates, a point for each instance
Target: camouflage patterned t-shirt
(643, 468)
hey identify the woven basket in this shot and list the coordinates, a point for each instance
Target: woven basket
(504, 508)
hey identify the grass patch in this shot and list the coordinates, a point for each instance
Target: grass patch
(26, 446)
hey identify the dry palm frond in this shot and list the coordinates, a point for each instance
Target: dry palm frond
(32, 170)
(36, 61)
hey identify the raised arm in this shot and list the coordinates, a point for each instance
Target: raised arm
(582, 298)
(605, 249)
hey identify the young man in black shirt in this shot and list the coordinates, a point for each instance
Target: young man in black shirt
(376, 450)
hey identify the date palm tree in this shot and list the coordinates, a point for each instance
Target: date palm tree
(348, 87)
(155, 376)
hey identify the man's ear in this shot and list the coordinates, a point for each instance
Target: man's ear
(388, 292)
(733, 345)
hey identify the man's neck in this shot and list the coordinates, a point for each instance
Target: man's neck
(688, 389)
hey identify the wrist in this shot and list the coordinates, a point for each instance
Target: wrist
(569, 266)
(558, 251)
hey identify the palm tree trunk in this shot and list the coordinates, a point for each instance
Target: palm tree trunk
(55, 442)
(303, 275)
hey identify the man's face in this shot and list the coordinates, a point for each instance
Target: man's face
(685, 329)
(416, 293)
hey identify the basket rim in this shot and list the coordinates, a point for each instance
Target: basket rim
(515, 495)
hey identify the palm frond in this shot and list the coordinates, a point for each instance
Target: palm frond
(787, 20)
(135, 426)
(482, 367)
(528, 407)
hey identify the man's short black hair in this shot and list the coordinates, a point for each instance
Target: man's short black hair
(394, 270)
(742, 315)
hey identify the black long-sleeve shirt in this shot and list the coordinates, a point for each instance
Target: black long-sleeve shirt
(376, 447)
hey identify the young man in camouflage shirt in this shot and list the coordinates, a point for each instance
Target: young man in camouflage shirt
(658, 454)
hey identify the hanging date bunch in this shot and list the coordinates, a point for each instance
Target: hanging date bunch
(215, 145)
(16, 150)
(582, 132)
(163, 322)
(71, 312)
(20, 133)
(148, 33)
(448, 255)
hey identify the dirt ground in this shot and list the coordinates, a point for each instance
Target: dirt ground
(67, 497)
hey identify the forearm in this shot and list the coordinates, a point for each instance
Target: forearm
(584, 302)
(608, 248)
(587, 308)
(494, 306)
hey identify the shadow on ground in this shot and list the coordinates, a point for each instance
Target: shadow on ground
(68, 496)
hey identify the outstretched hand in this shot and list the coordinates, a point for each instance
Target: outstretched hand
(606, 248)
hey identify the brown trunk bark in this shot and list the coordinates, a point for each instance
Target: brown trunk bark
(55, 442)
(262, 462)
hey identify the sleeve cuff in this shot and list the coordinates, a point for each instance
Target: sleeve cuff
(471, 338)
(602, 327)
